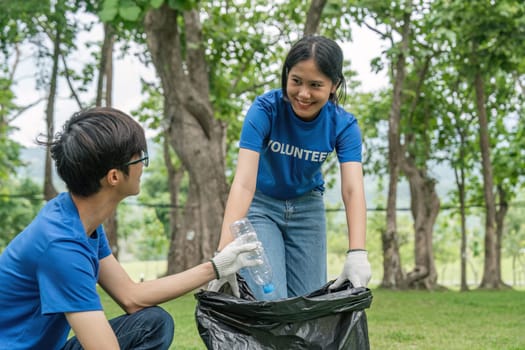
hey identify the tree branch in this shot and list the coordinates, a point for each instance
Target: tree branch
(69, 83)
(22, 110)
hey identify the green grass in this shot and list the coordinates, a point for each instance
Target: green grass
(447, 320)
(475, 320)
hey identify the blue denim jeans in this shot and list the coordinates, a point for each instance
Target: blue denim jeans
(293, 234)
(151, 328)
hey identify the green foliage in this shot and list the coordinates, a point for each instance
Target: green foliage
(143, 232)
(182, 5)
(488, 34)
(155, 190)
(17, 20)
(144, 221)
(486, 38)
(129, 13)
(46, 29)
(372, 111)
(245, 45)
(10, 155)
(126, 9)
(134, 10)
(153, 243)
(150, 111)
(514, 235)
(20, 201)
(337, 240)
(109, 10)
(447, 234)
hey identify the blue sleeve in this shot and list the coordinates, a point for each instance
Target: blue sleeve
(256, 126)
(103, 249)
(67, 278)
(349, 144)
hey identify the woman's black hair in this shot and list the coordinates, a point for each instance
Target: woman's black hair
(328, 57)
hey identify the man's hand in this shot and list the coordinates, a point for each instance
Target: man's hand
(356, 269)
(231, 259)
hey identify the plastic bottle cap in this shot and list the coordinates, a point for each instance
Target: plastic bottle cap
(268, 288)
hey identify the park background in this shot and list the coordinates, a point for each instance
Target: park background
(437, 87)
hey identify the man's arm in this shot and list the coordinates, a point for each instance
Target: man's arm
(133, 296)
(92, 330)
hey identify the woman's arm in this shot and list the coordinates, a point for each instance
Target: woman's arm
(356, 268)
(241, 192)
(352, 190)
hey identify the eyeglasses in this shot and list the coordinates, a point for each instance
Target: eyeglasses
(144, 158)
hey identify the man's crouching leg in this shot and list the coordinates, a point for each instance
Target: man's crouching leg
(150, 328)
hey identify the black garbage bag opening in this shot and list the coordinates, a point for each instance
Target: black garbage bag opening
(323, 319)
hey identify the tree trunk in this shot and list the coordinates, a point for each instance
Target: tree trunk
(49, 189)
(500, 221)
(424, 200)
(424, 203)
(459, 175)
(313, 18)
(175, 175)
(105, 74)
(392, 272)
(197, 138)
(491, 269)
(109, 43)
(105, 91)
(460, 182)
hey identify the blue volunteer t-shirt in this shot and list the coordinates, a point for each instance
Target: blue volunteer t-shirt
(48, 269)
(292, 150)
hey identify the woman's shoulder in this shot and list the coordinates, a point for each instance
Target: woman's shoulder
(270, 103)
(273, 96)
(340, 114)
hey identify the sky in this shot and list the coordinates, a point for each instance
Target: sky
(128, 73)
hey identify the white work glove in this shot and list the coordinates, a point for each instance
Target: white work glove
(231, 259)
(356, 269)
(215, 285)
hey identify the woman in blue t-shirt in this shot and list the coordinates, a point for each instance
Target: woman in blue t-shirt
(287, 135)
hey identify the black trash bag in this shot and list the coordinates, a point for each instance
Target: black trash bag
(323, 319)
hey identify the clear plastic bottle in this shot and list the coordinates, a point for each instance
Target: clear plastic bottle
(261, 274)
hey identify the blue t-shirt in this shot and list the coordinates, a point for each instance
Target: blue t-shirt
(48, 269)
(292, 150)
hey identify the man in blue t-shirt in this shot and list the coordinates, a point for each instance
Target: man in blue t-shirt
(50, 271)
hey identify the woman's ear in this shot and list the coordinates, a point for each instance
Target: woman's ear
(336, 86)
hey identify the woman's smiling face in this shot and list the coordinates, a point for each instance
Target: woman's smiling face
(308, 89)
